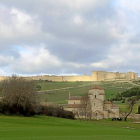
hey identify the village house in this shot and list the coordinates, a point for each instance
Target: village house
(99, 107)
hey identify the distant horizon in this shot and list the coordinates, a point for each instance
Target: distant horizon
(71, 74)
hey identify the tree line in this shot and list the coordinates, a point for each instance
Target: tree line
(133, 96)
(135, 91)
(20, 97)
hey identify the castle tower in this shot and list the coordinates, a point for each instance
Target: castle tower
(94, 76)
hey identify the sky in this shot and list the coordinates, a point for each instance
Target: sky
(69, 37)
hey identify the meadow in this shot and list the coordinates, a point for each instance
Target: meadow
(58, 92)
(43, 127)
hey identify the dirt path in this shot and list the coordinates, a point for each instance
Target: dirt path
(56, 89)
(84, 86)
(127, 82)
(62, 88)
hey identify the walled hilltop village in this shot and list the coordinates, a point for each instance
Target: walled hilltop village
(95, 76)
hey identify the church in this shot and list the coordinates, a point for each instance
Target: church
(99, 107)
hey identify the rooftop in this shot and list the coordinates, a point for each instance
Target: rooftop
(114, 106)
(96, 87)
(74, 106)
(75, 98)
(108, 102)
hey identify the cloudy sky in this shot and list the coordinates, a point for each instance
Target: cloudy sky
(69, 36)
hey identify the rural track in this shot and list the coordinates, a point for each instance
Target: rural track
(61, 88)
(80, 86)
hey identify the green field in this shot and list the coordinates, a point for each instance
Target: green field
(55, 92)
(58, 92)
(49, 128)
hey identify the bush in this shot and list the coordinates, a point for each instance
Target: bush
(123, 101)
(55, 111)
(38, 87)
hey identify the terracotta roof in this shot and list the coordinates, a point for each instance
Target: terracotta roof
(74, 106)
(108, 102)
(96, 87)
(113, 105)
(101, 93)
(90, 94)
(75, 98)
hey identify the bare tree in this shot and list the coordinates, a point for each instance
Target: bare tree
(131, 103)
(86, 106)
(76, 111)
(20, 93)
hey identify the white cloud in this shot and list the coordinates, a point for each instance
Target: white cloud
(20, 24)
(2, 73)
(34, 60)
(6, 60)
(78, 20)
(82, 4)
(77, 35)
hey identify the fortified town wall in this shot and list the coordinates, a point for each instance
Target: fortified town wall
(96, 76)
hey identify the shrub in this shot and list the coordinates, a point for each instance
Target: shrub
(123, 101)
(55, 111)
(38, 87)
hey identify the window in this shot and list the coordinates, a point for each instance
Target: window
(74, 102)
(95, 96)
(94, 104)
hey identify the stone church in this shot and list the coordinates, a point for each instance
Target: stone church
(99, 107)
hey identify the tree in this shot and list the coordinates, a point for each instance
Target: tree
(131, 103)
(19, 96)
(38, 87)
(86, 106)
(139, 109)
(123, 101)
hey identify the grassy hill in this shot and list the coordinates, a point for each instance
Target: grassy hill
(58, 91)
(49, 128)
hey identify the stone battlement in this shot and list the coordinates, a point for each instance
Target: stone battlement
(96, 76)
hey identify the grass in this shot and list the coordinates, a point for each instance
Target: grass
(59, 95)
(42, 128)
(58, 85)
(56, 93)
(123, 106)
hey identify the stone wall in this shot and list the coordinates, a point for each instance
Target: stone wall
(96, 76)
(2, 78)
(101, 75)
(76, 78)
(111, 75)
(49, 78)
(136, 76)
(133, 116)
